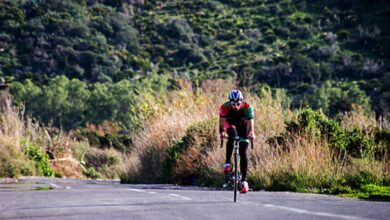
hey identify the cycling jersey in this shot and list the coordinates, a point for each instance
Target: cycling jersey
(236, 117)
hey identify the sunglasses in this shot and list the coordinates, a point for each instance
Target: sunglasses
(235, 103)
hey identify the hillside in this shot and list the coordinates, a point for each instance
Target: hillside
(328, 55)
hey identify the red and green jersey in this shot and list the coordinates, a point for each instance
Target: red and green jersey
(235, 117)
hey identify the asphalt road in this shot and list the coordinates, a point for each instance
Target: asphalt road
(44, 198)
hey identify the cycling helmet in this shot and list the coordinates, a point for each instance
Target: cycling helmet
(235, 95)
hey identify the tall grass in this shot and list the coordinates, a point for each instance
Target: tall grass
(305, 165)
(12, 127)
(181, 145)
(182, 108)
(185, 108)
(24, 145)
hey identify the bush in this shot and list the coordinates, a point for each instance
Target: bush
(360, 145)
(360, 179)
(305, 69)
(188, 54)
(286, 181)
(92, 173)
(34, 152)
(102, 163)
(173, 154)
(382, 139)
(188, 156)
(14, 165)
(178, 29)
(118, 141)
(316, 125)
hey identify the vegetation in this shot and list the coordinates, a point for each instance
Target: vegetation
(130, 90)
(326, 54)
(301, 151)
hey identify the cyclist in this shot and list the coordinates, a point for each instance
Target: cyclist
(236, 118)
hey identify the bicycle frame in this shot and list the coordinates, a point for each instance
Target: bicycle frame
(236, 178)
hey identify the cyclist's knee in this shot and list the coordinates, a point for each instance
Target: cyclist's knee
(232, 132)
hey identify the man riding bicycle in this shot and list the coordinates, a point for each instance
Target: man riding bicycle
(236, 118)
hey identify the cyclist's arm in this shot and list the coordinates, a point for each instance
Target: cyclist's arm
(251, 131)
(250, 126)
(223, 113)
(222, 122)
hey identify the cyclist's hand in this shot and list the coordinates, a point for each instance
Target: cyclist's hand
(222, 135)
(251, 136)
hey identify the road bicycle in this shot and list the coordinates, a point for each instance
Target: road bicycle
(233, 178)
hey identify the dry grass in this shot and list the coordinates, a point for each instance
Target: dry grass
(358, 119)
(14, 129)
(11, 126)
(311, 162)
(313, 159)
(182, 109)
(185, 108)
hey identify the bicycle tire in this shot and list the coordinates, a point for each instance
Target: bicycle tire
(235, 176)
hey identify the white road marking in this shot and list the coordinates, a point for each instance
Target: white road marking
(55, 186)
(313, 213)
(179, 196)
(136, 190)
(171, 194)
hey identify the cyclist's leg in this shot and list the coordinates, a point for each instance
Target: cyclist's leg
(243, 159)
(232, 134)
(243, 133)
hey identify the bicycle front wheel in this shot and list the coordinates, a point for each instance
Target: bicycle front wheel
(235, 177)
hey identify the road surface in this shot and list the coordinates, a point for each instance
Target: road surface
(53, 198)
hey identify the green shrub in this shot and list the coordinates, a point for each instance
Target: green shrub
(173, 153)
(178, 29)
(226, 35)
(269, 36)
(360, 179)
(382, 139)
(120, 142)
(285, 181)
(102, 163)
(299, 182)
(360, 145)
(375, 192)
(186, 158)
(188, 53)
(92, 173)
(41, 159)
(316, 125)
(305, 69)
(8, 167)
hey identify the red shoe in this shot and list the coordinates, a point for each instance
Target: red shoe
(227, 168)
(244, 187)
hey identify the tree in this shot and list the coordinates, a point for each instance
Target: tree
(305, 69)
(342, 97)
